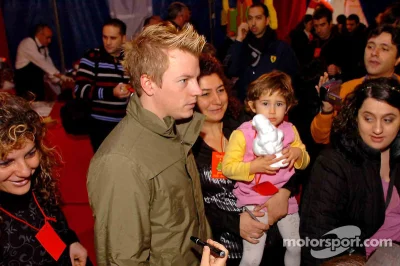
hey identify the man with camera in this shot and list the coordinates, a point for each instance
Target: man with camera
(381, 56)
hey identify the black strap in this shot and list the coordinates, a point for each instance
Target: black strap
(389, 192)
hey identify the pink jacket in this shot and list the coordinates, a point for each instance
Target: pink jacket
(243, 190)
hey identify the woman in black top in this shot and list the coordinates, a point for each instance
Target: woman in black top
(357, 182)
(223, 115)
(33, 229)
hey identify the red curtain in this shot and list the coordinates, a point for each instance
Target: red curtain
(289, 14)
(3, 39)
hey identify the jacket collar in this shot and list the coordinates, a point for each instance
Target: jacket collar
(186, 131)
(38, 43)
(358, 151)
(105, 54)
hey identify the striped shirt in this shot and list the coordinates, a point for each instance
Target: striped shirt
(97, 83)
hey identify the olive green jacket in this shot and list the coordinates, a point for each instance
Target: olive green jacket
(145, 192)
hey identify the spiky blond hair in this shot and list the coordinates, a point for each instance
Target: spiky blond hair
(146, 54)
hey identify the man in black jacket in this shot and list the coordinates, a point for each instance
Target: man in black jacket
(327, 47)
(257, 52)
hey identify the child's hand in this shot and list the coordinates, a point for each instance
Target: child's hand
(262, 164)
(291, 154)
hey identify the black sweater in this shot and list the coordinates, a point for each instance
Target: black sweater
(345, 188)
(219, 201)
(18, 245)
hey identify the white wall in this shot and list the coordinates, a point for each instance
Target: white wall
(131, 12)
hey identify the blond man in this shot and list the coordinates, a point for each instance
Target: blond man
(143, 184)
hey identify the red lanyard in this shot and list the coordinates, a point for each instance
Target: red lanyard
(222, 141)
(26, 223)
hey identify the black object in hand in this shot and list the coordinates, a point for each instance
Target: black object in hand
(214, 250)
(330, 91)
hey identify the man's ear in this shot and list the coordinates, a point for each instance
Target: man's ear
(123, 38)
(267, 21)
(147, 84)
(397, 61)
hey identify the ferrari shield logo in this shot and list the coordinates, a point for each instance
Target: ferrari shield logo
(273, 58)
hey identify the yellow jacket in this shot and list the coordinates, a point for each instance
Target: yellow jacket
(234, 167)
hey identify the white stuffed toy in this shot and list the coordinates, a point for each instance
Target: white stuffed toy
(269, 139)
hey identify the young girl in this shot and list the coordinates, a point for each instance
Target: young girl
(271, 95)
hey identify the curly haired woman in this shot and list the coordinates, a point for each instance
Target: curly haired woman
(354, 187)
(33, 229)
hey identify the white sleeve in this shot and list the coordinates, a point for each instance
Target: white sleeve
(29, 50)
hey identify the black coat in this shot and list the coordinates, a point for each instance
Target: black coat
(345, 188)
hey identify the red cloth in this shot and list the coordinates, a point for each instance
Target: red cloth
(289, 13)
(76, 153)
(3, 39)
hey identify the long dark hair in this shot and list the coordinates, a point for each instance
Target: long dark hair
(210, 65)
(345, 135)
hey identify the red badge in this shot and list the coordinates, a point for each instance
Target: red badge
(46, 236)
(317, 52)
(216, 165)
(50, 241)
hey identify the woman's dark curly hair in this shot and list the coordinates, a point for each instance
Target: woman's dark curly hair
(19, 123)
(210, 65)
(345, 134)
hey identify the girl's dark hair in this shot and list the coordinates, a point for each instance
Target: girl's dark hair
(210, 65)
(19, 123)
(275, 81)
(345, 134)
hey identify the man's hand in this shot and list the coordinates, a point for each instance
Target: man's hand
(67, 82)
(250, 229)
(77, 254)
(291, 154)
(121, 91)
(242, 31)
(262, 164)
(65, 78)
(277, 206)
(326, 106)
(209, 260)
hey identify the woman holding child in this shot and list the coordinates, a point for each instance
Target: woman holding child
(228, 223)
